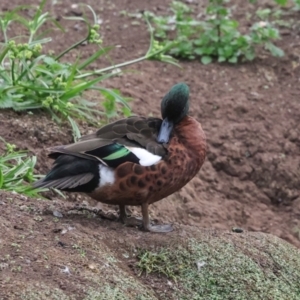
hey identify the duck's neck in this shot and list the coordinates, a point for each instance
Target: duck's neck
(191, 135)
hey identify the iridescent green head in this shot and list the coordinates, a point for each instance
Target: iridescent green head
(174, 107)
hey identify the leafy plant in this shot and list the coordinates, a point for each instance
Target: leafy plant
(284, 2)
(217, 36)
(16, 171)
(30, 79)
(297, 4)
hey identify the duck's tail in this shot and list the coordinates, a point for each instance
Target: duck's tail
(70, 173)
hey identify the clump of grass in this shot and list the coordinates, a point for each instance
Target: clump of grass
(217, 269)
(31, 79)
(158, 262)
(17, 171)
(214, 35)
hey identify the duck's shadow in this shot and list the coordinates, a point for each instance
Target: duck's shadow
(92, 217)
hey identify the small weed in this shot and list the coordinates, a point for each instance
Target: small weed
(296, 231)
(3, 266)
(16, 269)
(16, 171)
(152, 262)
(38, 219)
(15, 245)
(7, 280)
(80, 250)
(215, 36)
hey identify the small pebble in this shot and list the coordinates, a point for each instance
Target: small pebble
(200, 264)
(237, 230)
(57, 214)
(66, 270)
(61, 244)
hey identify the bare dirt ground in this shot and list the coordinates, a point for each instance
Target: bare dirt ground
(250, 113)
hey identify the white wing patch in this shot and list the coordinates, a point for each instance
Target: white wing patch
(146, 158)
(107, 175)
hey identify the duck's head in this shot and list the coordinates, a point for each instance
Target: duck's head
(174, 107)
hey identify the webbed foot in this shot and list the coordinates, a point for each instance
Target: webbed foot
(159, 228)
(153, 228)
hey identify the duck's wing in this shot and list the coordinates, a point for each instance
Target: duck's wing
(131, 139)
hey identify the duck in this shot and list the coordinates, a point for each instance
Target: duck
(135, 161)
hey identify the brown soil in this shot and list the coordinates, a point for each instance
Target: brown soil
(250, 113)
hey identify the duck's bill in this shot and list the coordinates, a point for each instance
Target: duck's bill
(165, 131)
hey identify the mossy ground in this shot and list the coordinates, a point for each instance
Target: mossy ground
(252, 267)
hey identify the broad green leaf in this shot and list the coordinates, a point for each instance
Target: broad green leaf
(221, 59)
(276, 51)
(206, 60)
(233, 60)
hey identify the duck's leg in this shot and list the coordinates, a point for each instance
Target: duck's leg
(129, 221)
(153, 228)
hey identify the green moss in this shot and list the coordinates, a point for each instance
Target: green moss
(111, 281)
(117, 293)
(124, 287)
(216, 269)
(42, 291)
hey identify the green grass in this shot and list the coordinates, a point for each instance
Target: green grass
(17, 171)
